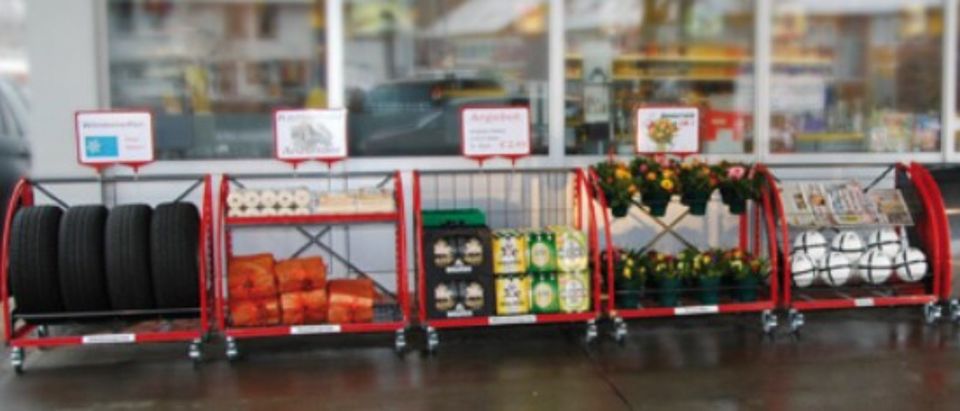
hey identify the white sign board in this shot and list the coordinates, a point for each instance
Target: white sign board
(303, 135)
(114, 137)
(495, 132)
(667, 130)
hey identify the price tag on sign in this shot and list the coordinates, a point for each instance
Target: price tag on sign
(667, 130)
(306, 135)
(488, 132)
(106, 138)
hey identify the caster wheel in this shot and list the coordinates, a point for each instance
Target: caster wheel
(16, 360)
(433, 341)
(195, 354)
(591, 332)
(233, 353)
(400, 343)
(931, 313)
(796, 320)
(620, 332)
(954, 311)
(769, 322)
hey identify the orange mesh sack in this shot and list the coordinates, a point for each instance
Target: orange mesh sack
(302, 274)
(351, 301)
(252, 277)
(255, 313)
(306, 307)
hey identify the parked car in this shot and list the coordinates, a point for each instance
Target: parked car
(14, 148)
(418, 117)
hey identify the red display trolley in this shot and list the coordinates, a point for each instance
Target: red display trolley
(930, 233)
(510, 199)
(392, 307)
(192, 325)
(755, 233)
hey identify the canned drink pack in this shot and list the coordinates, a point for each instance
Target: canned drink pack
(574, 291)
(572, 250)
(509, 252)
(545, 296)
(513, 294)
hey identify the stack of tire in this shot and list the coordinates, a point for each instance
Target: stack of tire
(87, 259)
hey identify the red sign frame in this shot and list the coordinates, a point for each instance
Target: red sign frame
(512, 157)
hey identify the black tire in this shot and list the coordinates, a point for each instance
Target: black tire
(34, 275)
(128, 258)
(83, 278)
(174, 238)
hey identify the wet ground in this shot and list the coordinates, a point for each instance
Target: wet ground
(878, 359)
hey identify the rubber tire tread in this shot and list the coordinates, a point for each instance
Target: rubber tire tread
(128, 258)
(174, 238)
(34, 275)
(82, 259)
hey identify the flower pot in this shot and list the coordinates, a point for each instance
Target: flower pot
(747, 288)
(657, 203)
(629, 299)
(736, 203)
(709, 292)
(668, 291)
(697, 202)
(620, 210)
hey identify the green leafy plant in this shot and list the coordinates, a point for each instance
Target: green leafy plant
(617, 185)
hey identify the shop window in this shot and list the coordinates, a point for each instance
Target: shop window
(622, 54)
(411, 65)
(213, 71)
(859, 76)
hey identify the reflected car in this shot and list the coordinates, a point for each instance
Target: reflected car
(418, 117)
(14, 149)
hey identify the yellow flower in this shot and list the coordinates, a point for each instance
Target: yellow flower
(622, 173)
(628, 273)
(651, 176)
(668, 173)
(632, 189)
(667, 185)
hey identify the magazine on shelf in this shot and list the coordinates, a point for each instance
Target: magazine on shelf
(890, 206)
(819, 202)
(796, 206)
(847, 204)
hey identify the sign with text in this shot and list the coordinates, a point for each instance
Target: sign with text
(667, 130)
(495, 132)
(114, 137)
(304, 135)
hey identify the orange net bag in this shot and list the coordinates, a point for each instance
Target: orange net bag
(255, 313)
(252, 277)
(307, 307)
(302, 274)
(351, 301)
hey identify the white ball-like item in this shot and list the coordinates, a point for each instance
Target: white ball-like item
(235, 212)
(284, 212)
(285, 198)
(811, 243)
(235, 199)
(302, 197)
(849, 243)
(885, 239)
(301, 211)
(268, 212)
(875, 267)
(803, 269)
(835, 269)
(910, 265)
(249, 212)
(251, 198)
(268, 198)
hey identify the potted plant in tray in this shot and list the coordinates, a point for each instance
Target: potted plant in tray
(738, 183)
(630, 278)
(698, 181)
(616, 182)
(663, 268)
(747, 272)
(657, 181)
(709, 274)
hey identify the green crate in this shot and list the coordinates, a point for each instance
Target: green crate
(459, 217)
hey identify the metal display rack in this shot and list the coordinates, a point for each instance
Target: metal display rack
(395, 304)
(511, 198)
(23, 331)
(930, 233)
(755, 234)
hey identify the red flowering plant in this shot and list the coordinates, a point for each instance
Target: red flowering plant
(657, 180)
(738, 183)
(616, 182)
(698, 181)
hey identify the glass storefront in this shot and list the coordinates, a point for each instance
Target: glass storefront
(213, 71)
(412, 65)
(856, 76)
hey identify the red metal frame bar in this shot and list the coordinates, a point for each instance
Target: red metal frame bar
(224, 251)
(485, 321)
(764, 207)
(938, 209)
(23, 196)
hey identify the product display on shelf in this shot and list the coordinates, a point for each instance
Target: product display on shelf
(643, 283)
(88, 274)
(869, 227)
(262, 295)
(539, 264)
